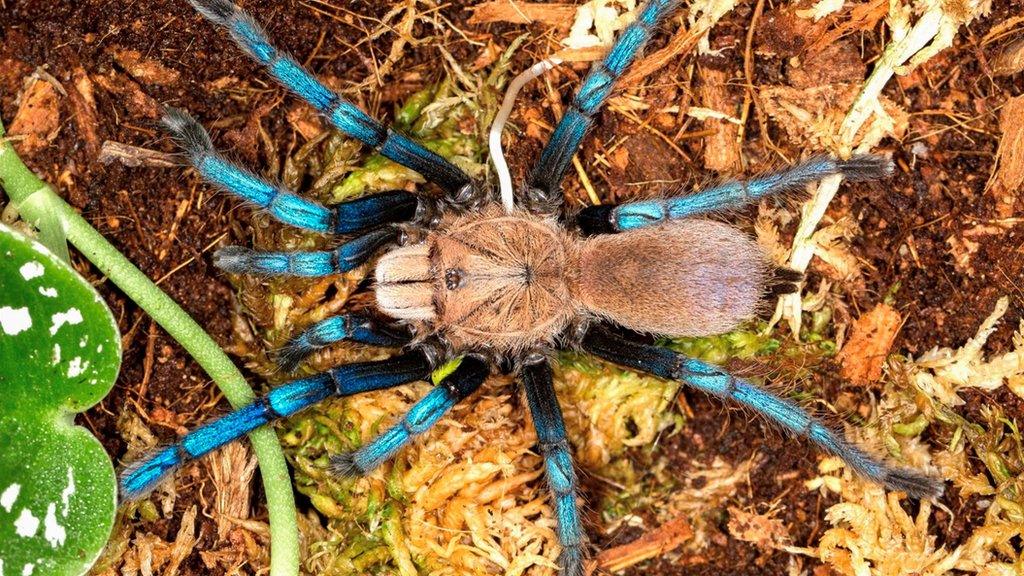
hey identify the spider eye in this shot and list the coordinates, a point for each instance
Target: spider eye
(452, 278)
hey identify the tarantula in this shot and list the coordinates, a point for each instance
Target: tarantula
(461, 275)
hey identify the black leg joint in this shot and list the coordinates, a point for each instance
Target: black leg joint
(596, 220)
(360, 377)
(467, 377)
(540, 200)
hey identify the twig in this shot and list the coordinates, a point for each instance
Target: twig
(664, 538)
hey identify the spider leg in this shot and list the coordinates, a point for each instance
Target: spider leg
(343, 114)
(545, 179)
(240, 260)
(344, 218)
(351, 327)
(470, 374)
(547, 420)
(610, 218)
(140, 477)
(609, 345)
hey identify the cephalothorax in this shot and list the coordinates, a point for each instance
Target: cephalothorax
(462, 275)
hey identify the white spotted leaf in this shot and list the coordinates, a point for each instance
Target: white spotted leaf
(59, 354)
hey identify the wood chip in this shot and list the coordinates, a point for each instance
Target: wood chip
(134, 156)
(135, 100)
(665, 538)
(83, 102)
(558, 15)
(142, 69)
(37, 120)
(873, 334)
(1009, 60)
(722, 148)
(1008, 175)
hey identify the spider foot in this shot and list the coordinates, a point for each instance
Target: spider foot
(216, 10)
(864, 167)
(186, 132)
(344, 465)
(915, 484)
(570, 561)
(289, 356)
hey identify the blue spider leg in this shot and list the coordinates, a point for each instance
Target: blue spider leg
(343, 218)
(547, 420)
(343, 114)
(351, 327)
(604, 343)
(597, 86)
(140, 477)
(470, 374)
(605, 219)
(240, 260)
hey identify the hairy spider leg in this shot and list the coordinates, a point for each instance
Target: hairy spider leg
(139, 478)
(351, 327)
(241, 260)
(605, 343)
(547, 420)
(344, 115)
(733, 194)
(547, 176)
(470, 374)
(343, 218)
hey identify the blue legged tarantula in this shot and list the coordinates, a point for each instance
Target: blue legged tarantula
(462, 275)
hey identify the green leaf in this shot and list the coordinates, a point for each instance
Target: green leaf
(59, 354)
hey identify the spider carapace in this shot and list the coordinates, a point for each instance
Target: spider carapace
(501, 284)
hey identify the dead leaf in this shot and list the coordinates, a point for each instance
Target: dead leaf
(38, 118)
(869, 345)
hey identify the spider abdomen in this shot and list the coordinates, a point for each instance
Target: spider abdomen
(685, 278)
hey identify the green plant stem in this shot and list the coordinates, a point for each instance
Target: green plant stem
(37, 203)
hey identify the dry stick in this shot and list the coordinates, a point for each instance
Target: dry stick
(40, 206)
(657, 542)
(790, 306)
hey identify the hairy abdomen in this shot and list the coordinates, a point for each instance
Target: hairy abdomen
(686, 278)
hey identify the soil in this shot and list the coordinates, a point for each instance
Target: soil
(168, 223)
